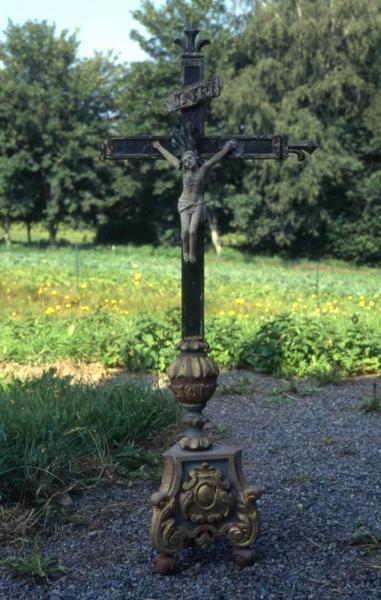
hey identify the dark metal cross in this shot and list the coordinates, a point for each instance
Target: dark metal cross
(191, 101)
(203, 494)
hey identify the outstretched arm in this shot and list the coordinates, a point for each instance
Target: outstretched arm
(167, 155)
(226, 149)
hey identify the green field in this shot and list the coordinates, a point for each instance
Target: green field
(120, 306)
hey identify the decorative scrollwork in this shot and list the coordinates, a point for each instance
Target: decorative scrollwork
(245, 531)
(206, 497)
(166, 537)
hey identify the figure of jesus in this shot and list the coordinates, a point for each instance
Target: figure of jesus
(191, 204)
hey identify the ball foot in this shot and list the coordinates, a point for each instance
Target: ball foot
(164, 564)
(243, 557)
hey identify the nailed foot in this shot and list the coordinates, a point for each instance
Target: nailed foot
(243, 557)
(164, 565)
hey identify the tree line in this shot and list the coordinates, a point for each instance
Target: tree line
(305, 68)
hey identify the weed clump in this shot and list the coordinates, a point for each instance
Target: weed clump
(55, 434)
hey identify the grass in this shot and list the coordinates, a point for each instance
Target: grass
(301, 477)
(241, 386)
(120, 306)
(137, 279)
(66, 235)
(56, 435)
(369, 541)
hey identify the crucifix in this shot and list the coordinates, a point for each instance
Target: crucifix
(203, 494)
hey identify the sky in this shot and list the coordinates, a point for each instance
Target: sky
(101, 25)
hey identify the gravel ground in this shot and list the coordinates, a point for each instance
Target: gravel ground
(317, 458)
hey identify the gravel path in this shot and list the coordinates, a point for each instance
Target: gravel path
(317, 457)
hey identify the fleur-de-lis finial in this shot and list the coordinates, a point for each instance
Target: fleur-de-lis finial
(189, 44)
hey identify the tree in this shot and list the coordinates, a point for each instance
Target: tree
(311, 69)
(53, 113)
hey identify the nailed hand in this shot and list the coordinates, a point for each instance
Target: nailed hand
(230, 145)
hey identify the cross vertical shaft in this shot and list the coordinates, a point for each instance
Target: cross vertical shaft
(192, 275)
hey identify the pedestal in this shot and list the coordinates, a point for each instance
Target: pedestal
(203, 496)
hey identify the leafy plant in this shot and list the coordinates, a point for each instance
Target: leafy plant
(328, 440)
(36, 565)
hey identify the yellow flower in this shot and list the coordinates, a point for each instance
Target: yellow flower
(54, 292)
(350, 297)
(113, 301)
(313, 296)
(240, 300)
(83, 285)
(231, 312)
(137, 276)
(14, 314)
(84, 308)
(58, 307)
(67, 297)
(49, 310)
(221, 313)
(67, 305)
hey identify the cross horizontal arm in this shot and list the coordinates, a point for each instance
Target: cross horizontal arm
(300, 148)
(248, 147)
(135, 146)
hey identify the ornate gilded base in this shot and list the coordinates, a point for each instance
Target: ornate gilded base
(202, 497)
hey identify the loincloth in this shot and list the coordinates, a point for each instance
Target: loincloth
(188, 207)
